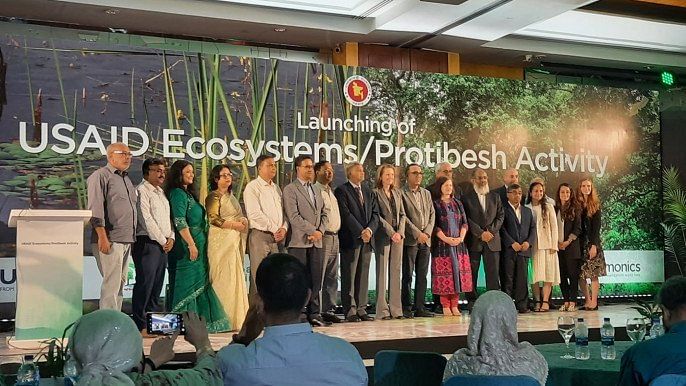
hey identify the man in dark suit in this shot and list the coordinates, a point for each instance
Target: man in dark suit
(360, 215)
(518, 234)
(485, 216)
(510, 177)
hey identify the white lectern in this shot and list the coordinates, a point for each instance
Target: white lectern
(49, 272)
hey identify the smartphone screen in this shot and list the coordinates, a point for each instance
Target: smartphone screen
(164, 323)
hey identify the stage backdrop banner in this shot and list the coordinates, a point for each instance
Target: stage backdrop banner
(67, 100)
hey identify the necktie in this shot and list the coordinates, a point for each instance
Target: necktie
(359, 195)
(308, 186)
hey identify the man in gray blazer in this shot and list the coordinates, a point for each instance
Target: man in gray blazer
(419, 225)
(304, 207)
(485, 216)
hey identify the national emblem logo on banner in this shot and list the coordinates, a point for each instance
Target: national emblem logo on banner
(357, 90)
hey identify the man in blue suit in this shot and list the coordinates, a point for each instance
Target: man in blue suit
(517, 234)
(360, 217)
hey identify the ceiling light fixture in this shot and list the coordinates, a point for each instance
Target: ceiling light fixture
(112, 11)
(279, 29)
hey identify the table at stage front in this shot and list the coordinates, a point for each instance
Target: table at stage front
(592, 372)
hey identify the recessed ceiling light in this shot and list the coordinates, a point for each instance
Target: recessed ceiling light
(111, 11)
(279, 29)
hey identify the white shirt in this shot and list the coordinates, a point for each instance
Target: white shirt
(482, 201)
(331, 205)
(154, 219)
(263, 206)
(517, 210)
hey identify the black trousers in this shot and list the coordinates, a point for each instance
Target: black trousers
(491, 268)
(150, 261)
(355, 279)
(415, 261)
(313, 258)
(514, 277)
(569, 276)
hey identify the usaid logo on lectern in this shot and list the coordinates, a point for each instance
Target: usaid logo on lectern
(357, 90)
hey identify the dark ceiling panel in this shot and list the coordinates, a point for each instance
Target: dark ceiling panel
(639, 9)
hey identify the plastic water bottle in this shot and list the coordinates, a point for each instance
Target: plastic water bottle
(581, 335)
(607, 336)
(28, 374)
(657, 329)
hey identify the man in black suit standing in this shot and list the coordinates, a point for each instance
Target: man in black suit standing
(360, 218)
(518, 234)
(485, 216)
(510, 177)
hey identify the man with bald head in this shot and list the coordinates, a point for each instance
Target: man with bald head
(112, 198)
(485, 216)
(510, 177)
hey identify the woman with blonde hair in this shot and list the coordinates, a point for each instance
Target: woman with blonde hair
(388, 244)
(591, 250)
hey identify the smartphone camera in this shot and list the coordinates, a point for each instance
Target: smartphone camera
(165, 323)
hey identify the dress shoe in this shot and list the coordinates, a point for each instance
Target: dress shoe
(400, 317)
(408, 314)
(424, 314)
(353, 318)
(387, 317)
(366, 318)
(317, 321)
(331, 318)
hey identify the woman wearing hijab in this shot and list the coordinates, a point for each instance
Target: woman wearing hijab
(107, 349)
(493, 347)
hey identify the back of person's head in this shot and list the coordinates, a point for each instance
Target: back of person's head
(672, 298)
(494, 317)
(282, 283)
(105, 344)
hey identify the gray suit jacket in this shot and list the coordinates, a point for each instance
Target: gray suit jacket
(304, 218)
(386, 230)
(414, 225)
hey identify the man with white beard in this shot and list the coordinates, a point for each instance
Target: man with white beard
(485, 216)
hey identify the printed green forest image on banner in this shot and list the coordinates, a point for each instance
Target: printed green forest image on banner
(66, 100)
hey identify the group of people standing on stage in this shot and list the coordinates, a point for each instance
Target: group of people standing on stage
(547, 242)
(536, 241)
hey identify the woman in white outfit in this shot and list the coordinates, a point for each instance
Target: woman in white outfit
(546, 267)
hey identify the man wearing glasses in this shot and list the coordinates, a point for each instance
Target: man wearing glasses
(420, 214)
(112, 198)
(154, 239)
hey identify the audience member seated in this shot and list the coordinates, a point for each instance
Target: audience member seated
(289, 353)
(647, 360)
(108, 350)
(493, 347)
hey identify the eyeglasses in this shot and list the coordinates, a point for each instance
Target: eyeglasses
(123, 152)
(225, 175)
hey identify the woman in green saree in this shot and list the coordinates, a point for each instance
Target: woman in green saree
(188, 277)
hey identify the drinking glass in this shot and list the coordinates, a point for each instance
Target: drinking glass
(636, 329)
(565, 326)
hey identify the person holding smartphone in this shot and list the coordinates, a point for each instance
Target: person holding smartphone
(107, 347)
